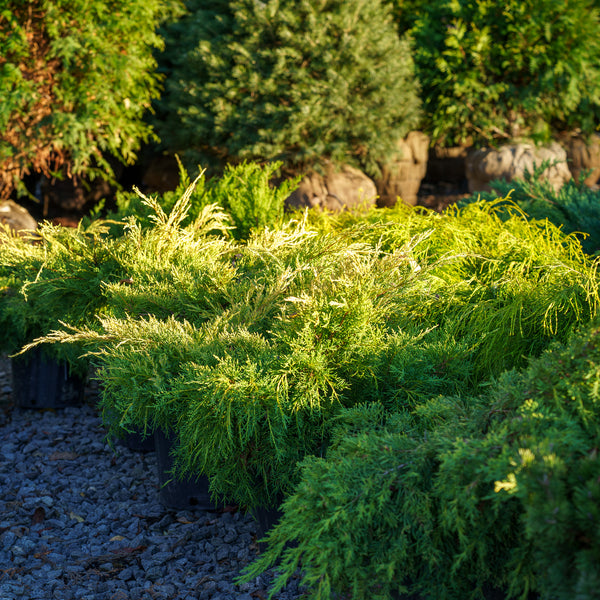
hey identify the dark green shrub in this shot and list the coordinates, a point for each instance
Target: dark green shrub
(293, 81)
(541, 456)
(492, 71)
(575, 207)
(76, 78)
(460, 495)
(364, 521)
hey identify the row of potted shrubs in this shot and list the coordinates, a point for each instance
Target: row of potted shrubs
(420, 390)
(304, 82)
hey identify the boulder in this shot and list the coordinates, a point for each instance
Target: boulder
(511, 161)
(401, 178)
(16, 217)
(334, 189)
(583, 155)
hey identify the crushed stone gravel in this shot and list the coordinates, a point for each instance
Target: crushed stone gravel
(81, 521)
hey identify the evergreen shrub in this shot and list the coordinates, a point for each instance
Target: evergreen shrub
(575, 207)
(493, 71)
(54, 277)
(250, 351)
(364, 520)
(514, 283)
(300, 313)
(538, 460)
(296, 81)
(19, 261)
(244, 191)
(76, 79)
(461, 496)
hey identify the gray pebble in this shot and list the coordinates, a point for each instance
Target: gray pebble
(102, 533)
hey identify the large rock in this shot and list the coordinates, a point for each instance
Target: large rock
(401, 178)
(511, 161)
(336, 189)
(583, 155)
(16, 217)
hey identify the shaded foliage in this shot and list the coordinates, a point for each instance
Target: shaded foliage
(286, 80)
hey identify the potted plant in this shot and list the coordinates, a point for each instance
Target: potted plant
(292, 326)
(38, 380)
(70, 275)
(56, 276)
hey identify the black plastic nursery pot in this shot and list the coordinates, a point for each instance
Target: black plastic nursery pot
(266, 518)
(39, 382)
(137, 442)
(190, 494)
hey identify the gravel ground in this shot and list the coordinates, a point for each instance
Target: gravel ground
(79, 521)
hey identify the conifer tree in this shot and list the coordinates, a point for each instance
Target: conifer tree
(76, 78)
(494, 71)
(292, 80)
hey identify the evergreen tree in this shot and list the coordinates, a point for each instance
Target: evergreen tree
(76, 78)
(292, 80)
(493, 71)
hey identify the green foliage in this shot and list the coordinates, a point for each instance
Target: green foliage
(246, 194)
(541, 455)
(56, 277)
(249, 352)
(76, 79)
(364, 521)
(20, 260)
(134, 204)
(492, 71)
(287, 80)
(298, 315)
(495, 279)
(575, 207)
(244, 191)
(405, 13)
(253, 417)
(459, 495)
(74, 274)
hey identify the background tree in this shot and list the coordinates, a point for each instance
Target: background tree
(76, 78)
(292, 80)
(496, 71)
